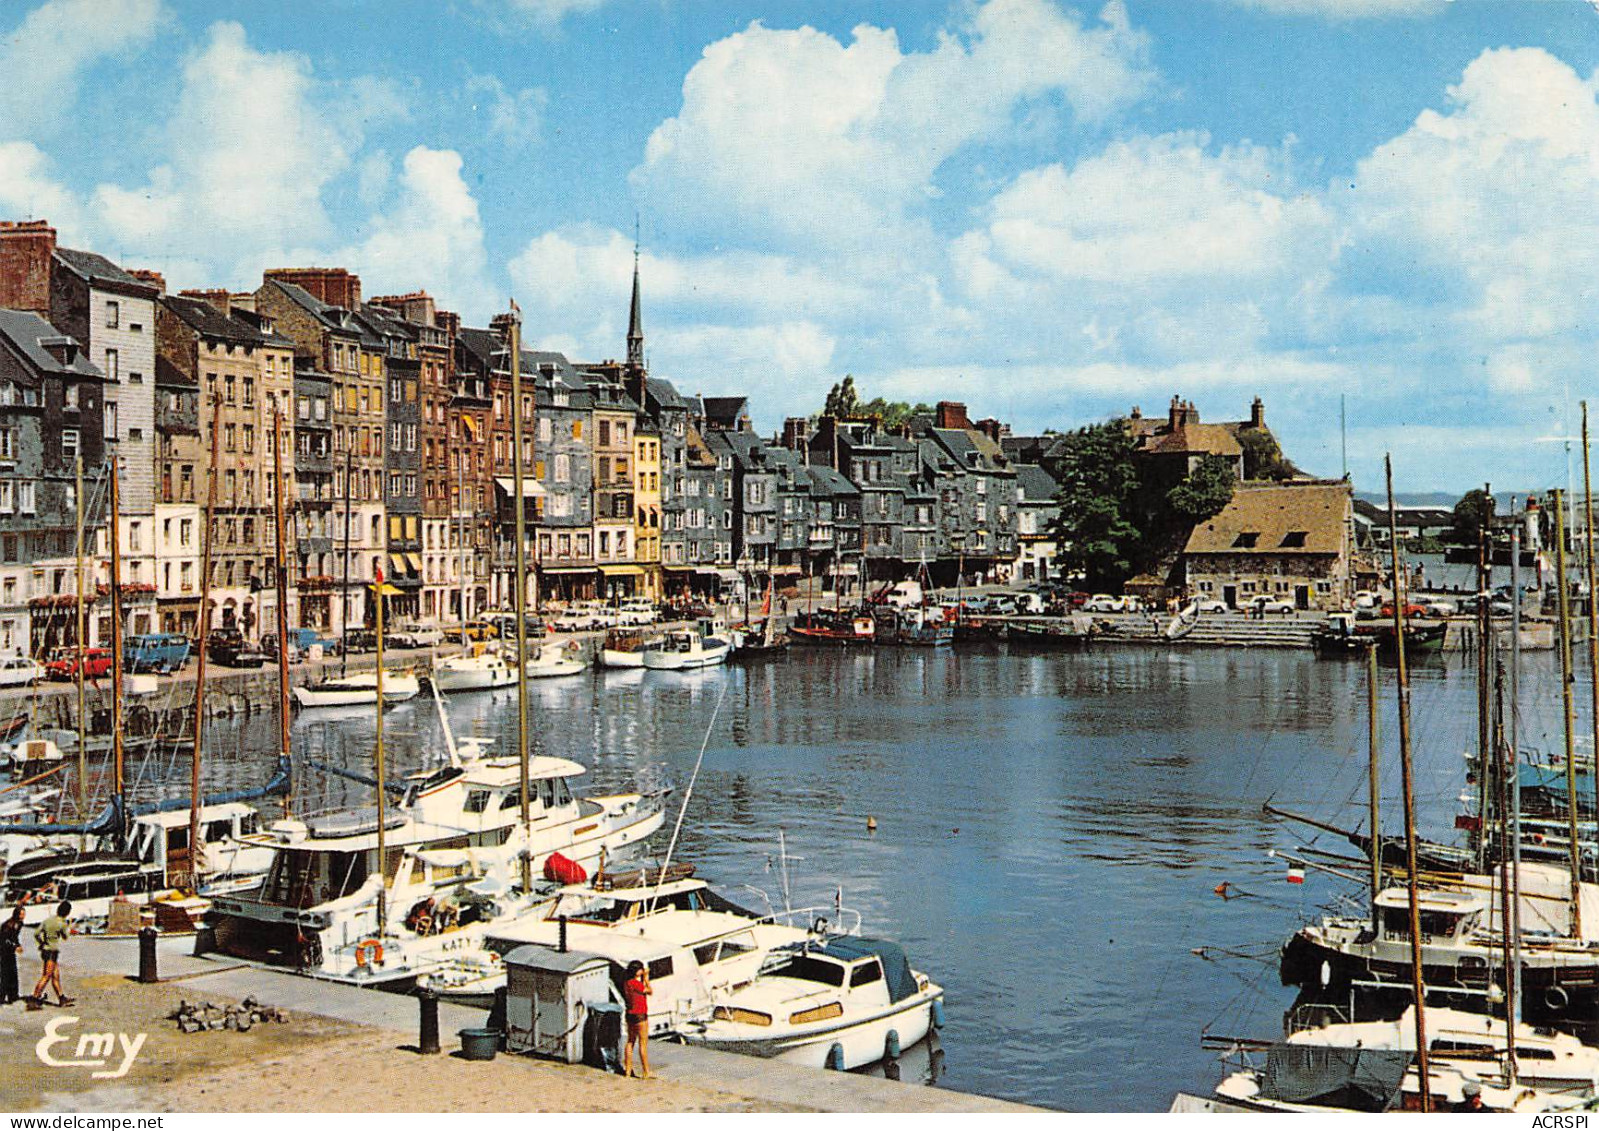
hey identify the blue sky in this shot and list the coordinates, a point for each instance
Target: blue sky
(1048, 210)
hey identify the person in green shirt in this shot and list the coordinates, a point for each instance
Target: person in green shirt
(50, 935)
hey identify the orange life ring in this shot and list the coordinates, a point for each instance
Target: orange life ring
(372, 947)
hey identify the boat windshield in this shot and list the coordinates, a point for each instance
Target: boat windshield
(809, 968)
(304, 879)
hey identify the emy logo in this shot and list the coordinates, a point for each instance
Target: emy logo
(93, 1050)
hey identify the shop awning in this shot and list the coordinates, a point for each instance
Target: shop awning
(416, 563)
(531, 488)
(622, 570)
(565, 569)
(678, 569)
(390, 591)
(397, 564)
(786, 571)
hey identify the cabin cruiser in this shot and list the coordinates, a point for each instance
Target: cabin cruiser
(722, 945)
(482, 669)
(841, 1003)
(1355, 958)
(1371, 1066)
(687, 648)
(552, 658)
(358, 689)
(454, 845)
(625, 647)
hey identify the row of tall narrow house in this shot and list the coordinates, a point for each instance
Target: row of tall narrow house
(399, 424)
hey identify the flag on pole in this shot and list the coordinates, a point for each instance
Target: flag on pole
(1296, 875)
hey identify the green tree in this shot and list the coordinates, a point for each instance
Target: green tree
(842, 399)
(1263, 458)
(1099, 483)
(1207, 489)
(1472, 514)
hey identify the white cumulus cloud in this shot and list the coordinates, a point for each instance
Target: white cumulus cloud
(1347, 9)
(43, 59)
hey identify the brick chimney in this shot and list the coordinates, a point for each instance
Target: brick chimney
(993, 429)
(26, 248)
(951, 414)
(154, 278)
(795, 433)
(1174, 413)
(332, 285)
(1257, 414)
(449, 322)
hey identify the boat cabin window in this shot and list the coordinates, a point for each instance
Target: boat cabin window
(218, 830)
(477, 800)
(1434, 924)
(705, 953)
(248, 824)
(866, 973)
(661, 967)
(177, 838)
(438, 778)
(807, 968)
(563, 793)
(304, 879)
(512, 800)
(739, 944)
(546, 792)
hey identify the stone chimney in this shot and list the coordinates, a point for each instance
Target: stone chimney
(61, 347)
(153, 278)
(418, 307)
(219, 297)
(993, 429)
(1257, 414)
(26, 249)
(332, 285)
(951, 414)
(796, 431)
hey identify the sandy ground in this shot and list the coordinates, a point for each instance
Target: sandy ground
(309, 1064)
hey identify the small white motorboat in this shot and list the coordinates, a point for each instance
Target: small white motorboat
(686, 649)
(843, 1003)
(625, 647)
(554, 658)
(357, 689)
(474, 671)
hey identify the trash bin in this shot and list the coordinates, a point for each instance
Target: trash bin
(479, 1044)
(602, 1036)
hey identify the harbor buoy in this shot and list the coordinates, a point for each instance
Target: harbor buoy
(871, 824)
(938, 1014)
(835, 1057)
(891, 1049)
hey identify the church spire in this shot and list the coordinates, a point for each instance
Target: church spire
(635, 318)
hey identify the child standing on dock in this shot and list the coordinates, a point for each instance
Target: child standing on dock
(636, 999)
(10, 947)
(51, 934)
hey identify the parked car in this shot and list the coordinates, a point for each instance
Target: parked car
(1104, 603)
(1002, 605)
(228, 646)
(1440, 608)
(155, 652)
(413, 636)
(301, 641)
(1076, 599)
(63, 663)
(357, 640)
(1211, 605)
(578, 618)
(976, 603)
(638, 613)
(1267, 605)
(1411, 609)
(20, 671)
(479, 630)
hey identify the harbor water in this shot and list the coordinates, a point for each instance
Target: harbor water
(1052, 829)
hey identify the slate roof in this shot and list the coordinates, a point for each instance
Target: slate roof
(99, 269)
(663, 393)
(207, 321)
(826, 481)
(1290, 518)
(27, 332)
(1038, 485)
(724, 412)
(333, 317)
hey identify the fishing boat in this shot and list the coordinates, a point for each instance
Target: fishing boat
(358, 689)
(552, 658)
(687, 649)
(481, 669)
(832, 627)
(924, 626)
(840, 1003)
(625, 647)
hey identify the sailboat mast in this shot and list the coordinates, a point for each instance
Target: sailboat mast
(1564, 607)
(520, 602)
(119, 770)
(1373, 792)
(1418, 985)
(344, 600)
(80, 641)
(382, 762)
(205, 632)
(1505, 866)
(1515, 747)
(458, 523)
(283, 601)
(1484, 736)
(1593, 600)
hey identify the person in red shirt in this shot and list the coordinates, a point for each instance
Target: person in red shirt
(636, 1003)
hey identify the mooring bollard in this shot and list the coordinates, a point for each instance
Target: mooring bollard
(428, 1038)
(147, 965)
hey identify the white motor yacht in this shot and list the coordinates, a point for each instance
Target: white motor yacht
(454, 847)
(840, 1003)
(479, 670)
(359, 689)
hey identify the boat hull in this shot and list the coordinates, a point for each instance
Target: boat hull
(614, 658)
(863, 1040)
(453, 679)
(396, 689)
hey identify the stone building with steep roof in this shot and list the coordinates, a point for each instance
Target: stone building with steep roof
(1293, 541)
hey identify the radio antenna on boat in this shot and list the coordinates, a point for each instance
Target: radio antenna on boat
(688, 793)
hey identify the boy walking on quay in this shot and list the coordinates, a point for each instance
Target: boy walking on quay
(636, 997)
(51, 934)
(10, 947)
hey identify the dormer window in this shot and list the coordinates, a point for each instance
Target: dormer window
(1294, 540)
(1246, 540)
